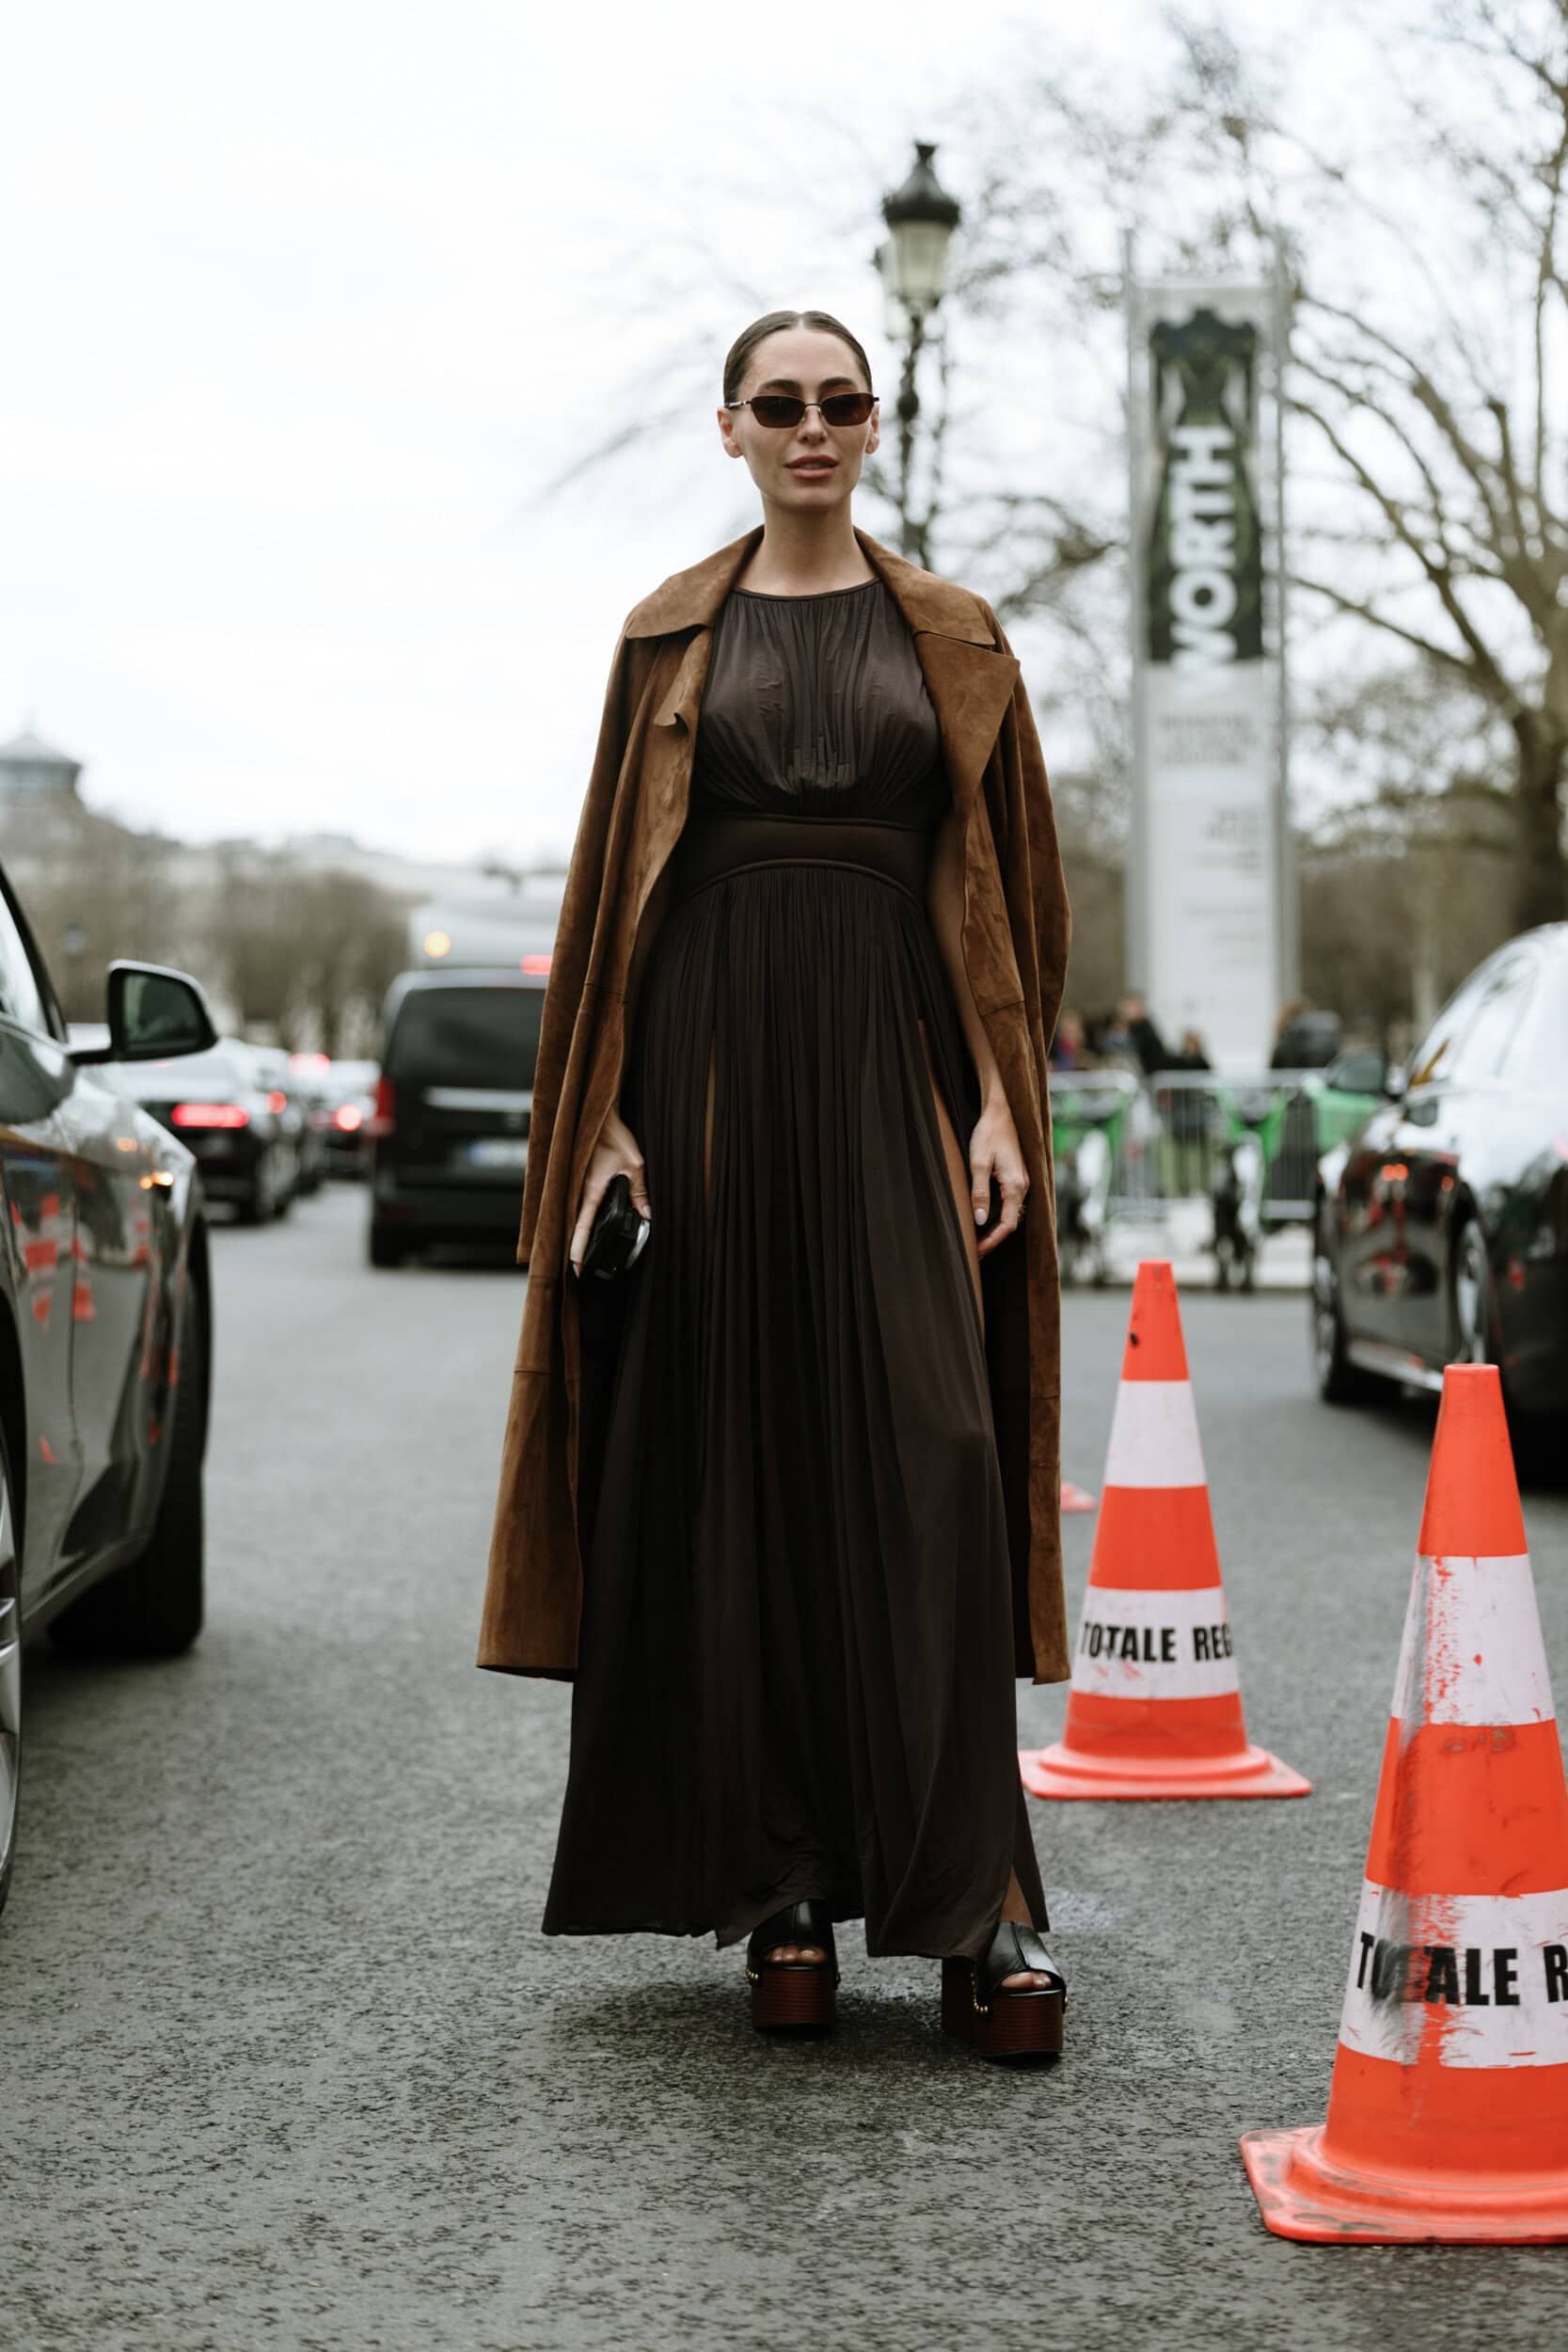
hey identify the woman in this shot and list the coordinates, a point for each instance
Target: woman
(810, 953)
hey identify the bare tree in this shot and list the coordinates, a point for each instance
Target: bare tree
(305, 955)
(1431, 325)
(353, 943)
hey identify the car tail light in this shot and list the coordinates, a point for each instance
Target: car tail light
(536, 963)
(348, 1117)
(386, 1114)
(278, 1100)
(208, 1115)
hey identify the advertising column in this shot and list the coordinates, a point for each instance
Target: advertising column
(1211, 939)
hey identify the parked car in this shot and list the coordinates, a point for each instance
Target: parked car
(309, 1083)
(105, 1333)
(220, 1106)
(1442, 1223)
(289, 1099)
(450, 1131)
(345, 1106)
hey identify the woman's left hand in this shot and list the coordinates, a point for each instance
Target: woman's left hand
(994, 1152)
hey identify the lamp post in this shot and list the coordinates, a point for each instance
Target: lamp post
(921, 217)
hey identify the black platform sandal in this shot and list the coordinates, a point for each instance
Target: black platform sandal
(794, 1995)
(1006, 2022)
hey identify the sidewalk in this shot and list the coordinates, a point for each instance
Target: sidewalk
(1180, 1232)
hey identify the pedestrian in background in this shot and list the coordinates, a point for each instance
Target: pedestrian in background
(1145, 1043)
(1070, 1046)
(1305, 1037)
(1190, 1106)
(811, 952)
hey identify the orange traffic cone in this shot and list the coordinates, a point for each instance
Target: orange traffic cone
(1448, 2117)
(1155, 1708)
(1075, 1498)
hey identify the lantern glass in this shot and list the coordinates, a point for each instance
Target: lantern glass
(918, 275)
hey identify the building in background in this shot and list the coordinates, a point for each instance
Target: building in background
(296, 940)
(32, 769)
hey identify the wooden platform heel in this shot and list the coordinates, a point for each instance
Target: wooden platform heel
(1000, 2022)
(793, 1995)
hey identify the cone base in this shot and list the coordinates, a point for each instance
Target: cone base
(1300, 2196)
(1063, 1772)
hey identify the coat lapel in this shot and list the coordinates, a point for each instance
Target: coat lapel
(970, 687)
(682, 704)
(686, 605)
(691, 599)
(969, 679)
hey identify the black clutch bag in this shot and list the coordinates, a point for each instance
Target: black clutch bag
(619, 1236)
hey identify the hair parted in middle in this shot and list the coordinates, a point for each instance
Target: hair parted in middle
(820, 322)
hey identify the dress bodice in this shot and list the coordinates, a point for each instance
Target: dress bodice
(816, 706)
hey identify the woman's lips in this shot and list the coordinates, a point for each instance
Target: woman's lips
(811, 465)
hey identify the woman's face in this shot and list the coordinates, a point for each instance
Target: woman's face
(809, 467)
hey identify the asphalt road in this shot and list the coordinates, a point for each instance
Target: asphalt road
(285, 2061)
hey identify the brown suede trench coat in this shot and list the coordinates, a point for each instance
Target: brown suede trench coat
(1015, 945)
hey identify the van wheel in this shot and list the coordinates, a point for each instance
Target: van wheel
(385, 1249)
(10, 1670)
(152, 1607)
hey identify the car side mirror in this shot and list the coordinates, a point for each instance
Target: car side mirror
(1364, 1070)
(154, 1015)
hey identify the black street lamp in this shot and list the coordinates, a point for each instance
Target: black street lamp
(921, 217)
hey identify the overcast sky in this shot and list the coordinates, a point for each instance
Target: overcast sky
(303, 305)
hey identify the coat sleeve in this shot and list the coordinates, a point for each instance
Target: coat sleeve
(1023, 825)
(580, 908)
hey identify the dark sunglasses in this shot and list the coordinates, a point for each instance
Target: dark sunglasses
(781, 411)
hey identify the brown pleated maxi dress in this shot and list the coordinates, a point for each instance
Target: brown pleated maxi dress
(795, 1671)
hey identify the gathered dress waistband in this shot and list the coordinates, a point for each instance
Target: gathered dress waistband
(714, 845)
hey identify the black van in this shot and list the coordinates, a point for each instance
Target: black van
(449, 1138)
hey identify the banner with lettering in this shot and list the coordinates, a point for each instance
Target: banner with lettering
(1209, 934)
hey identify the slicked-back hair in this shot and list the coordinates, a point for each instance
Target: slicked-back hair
(745, 343)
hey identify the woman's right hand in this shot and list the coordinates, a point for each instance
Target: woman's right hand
(614, 1154)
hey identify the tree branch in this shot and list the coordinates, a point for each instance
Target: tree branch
(1488, 672)
(1358, 608)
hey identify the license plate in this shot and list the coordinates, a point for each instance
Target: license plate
(498, 1152)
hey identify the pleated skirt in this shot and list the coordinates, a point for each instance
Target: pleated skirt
(796, 1673)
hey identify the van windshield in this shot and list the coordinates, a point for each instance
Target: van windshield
(467, 1036)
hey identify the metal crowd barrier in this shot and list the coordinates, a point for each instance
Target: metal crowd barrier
(1168, 1135)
